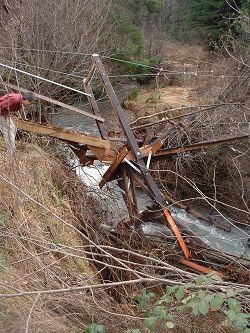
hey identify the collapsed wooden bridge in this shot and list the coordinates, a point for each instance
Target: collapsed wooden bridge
(129, 158)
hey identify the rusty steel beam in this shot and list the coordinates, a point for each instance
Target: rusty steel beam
(199, 145)
(146, 179)
(195, 213)
(177, 233)
(199, 268)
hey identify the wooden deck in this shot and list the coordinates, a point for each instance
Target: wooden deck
(103, 150)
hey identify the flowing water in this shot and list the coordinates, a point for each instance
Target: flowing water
(233, 242)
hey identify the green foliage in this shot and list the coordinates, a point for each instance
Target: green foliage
(128, 18)
(154, 98)
(95, 328)
(133, 94)
(246, 7)
(211, 18)
(143, 298)
(150, 5)
(130, 36)
(130, 64)
(153, 5)
(160, 313)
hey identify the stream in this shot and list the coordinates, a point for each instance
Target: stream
(233, 242)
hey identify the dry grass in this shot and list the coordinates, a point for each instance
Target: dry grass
(153, 101)
(41, 250)
(30, 237)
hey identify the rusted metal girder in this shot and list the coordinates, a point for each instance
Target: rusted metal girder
(200, 268)
(116, 163)
(199, 145)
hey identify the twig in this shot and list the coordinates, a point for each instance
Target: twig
(183, 108)
(30, 313)
(88, 287)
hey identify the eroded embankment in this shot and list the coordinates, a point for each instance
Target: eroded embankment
(42, 208)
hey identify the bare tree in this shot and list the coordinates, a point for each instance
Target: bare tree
(52, 38)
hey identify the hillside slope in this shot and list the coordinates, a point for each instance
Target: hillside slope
(40, 245)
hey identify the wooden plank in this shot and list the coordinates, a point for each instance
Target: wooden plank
(90, 74)
(146, 150)
(200, 145)
(127, 197)
(61, 133)
(118, 160)
(132, 209)
(47, 99)
(81, 154)
(98, 152)
(108, 156)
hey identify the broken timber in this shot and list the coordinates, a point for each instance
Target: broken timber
(102, 150)
(61, 133)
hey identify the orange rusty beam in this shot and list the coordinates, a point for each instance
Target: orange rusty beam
(177, 233)
(199, 268)
(184, 247)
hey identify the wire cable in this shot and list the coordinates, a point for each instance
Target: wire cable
(44, 50)
(46, 80)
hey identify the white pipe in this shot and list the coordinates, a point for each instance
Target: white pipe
(149, 159)
(132, 165)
